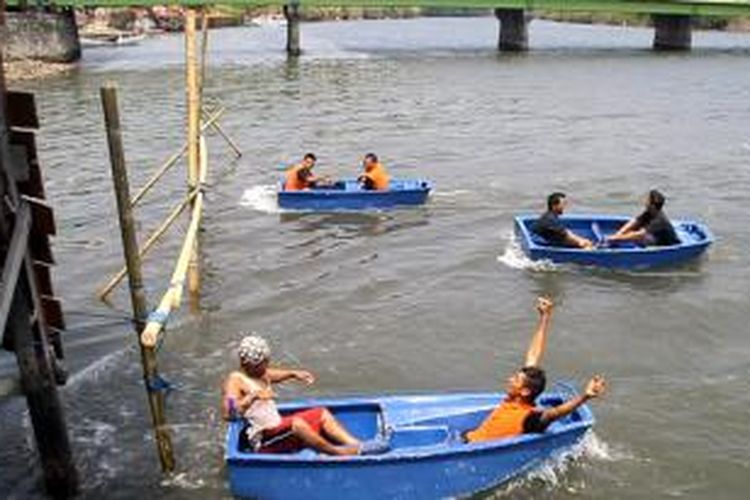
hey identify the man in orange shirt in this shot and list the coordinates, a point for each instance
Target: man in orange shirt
(517, 413)
(375, 176)
(300, 176)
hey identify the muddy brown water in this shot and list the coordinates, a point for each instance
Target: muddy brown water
(429, 299)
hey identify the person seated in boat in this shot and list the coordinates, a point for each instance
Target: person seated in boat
(517, 413)
(300, 176)
(248, 393)
(375, 176)
(651, 227)
(549, 227)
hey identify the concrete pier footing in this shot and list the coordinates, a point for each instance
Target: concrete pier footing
(42, 36)
(291, 13)
(672, 32)
(514, 33)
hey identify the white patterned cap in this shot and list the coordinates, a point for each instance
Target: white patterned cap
(253, 350)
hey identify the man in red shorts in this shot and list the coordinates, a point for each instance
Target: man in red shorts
(248, 393)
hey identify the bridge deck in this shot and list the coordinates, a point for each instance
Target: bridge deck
(721, 8)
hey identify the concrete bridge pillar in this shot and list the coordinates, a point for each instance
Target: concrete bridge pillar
(291, 12)
(672, 32)
(41, 36)
(514, 33)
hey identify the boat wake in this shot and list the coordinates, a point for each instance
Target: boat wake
(556, 472)
(261, 198)
(514, 257)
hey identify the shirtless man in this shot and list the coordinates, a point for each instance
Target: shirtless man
(248, 393)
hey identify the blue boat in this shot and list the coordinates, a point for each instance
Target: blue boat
(428, 458)
(348, 194)
(694, 237)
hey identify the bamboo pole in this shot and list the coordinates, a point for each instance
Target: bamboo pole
(173, 296)
(193, 126)
(220, 130)
(133, 261)
(211, 119)
(204, 51)
(154, 237)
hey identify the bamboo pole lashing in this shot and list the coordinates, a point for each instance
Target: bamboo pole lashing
(211, 119)
(152, 239)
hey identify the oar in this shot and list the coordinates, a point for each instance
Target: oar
(600, 241)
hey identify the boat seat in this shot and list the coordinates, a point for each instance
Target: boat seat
(539, 240)
(419, 435)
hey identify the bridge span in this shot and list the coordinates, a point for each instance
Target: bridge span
(672, 19)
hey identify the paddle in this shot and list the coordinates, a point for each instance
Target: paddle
(600, 241)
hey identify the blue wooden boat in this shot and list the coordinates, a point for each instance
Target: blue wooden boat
(694, 237)
(428, 458)
(347, 194)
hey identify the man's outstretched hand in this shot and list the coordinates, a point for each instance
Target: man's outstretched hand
(596, 387)
(544, 305)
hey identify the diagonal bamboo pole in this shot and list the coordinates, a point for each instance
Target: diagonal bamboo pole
(220, 130)
(154, 237)
(173, 296)
(211, 119)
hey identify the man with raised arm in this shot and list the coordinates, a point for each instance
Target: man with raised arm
(517, 413)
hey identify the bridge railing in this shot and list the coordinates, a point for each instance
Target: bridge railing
(720, 8)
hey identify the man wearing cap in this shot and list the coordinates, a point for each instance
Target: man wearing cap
(248, 393)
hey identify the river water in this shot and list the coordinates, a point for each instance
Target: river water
(428, 299)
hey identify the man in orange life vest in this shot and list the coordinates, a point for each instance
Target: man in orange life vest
(375, 176)
(300, 176)
(517, 413)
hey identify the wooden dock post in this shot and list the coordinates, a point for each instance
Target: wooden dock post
(40, 389)
(21, 312)
(135, 279)
(194, 132)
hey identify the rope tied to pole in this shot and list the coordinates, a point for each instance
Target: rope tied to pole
(157, 383)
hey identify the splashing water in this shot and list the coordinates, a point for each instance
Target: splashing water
(261, 198)
(553, 473)
(514, 257)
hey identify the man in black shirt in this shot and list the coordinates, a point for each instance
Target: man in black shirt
(650, 228)
(551, 229)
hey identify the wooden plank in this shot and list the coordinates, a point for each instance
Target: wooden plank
(34, 186)
(40, 249)
(43, 278)
(52, 311)
(12, 266)
(19, 164)
(42, 215)
(22, 110)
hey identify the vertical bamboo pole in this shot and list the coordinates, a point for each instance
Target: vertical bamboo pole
(193, 127)
(135, 279)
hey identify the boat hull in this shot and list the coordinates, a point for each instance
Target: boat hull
(428, 460)
(695, 238)
(349, 196)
